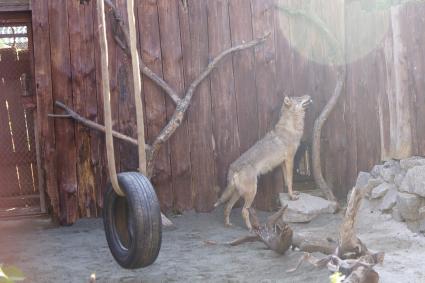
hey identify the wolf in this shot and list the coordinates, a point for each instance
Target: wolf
(278, 147)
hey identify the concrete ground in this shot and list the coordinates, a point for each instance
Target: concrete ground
(195, 252)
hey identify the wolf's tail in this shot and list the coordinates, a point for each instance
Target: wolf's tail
(226, 195)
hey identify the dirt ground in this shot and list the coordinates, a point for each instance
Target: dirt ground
(71, 254)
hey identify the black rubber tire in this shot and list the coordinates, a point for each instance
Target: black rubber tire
(132, 223)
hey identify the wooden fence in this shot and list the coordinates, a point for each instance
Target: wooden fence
(235, 106)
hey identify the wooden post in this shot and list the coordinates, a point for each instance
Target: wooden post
(400, 120)
(137, 86)
(107, 97)
(41, 182)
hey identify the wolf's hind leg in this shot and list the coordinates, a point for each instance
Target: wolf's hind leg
(287, 169)
(228, 208)
(249, 199)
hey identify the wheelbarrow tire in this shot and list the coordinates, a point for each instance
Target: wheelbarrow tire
(132, 223)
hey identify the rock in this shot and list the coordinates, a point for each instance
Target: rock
(306, 208)
(389, 201)
(398, 180)
(408, 205)
(381, 190)
(417, 226)
(390, 169)
(414, 181)
(422, 212)
(362, 180)
(396, 214)
(376, 171)
(411, 162)
(371, 184)
(374, 182)
(370, 205)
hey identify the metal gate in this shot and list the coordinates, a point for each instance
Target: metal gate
(19, 193)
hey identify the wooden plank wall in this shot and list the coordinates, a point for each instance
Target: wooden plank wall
(232, 108)
(15, 5)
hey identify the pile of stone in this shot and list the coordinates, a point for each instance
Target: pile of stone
(397, 188)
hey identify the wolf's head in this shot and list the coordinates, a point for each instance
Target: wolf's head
(296, 104)
(292, 115)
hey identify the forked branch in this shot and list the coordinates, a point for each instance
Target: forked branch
(121, 37)
(184, 103)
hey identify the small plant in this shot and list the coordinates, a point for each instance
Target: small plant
(10, 274)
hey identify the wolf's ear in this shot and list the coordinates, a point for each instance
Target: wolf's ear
(287, 101)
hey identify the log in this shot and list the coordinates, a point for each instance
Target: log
(348, 241)
(194, 36)
(225, 127)
(363, 275)
(275, 234)
(354, 271)
(155, 102)
(64, 137)
(81, 66)
(313, 245)
(245, 239)
(173, 72)
(401, 145)
(43, 81)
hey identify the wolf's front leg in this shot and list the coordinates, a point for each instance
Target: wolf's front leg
(287, 169)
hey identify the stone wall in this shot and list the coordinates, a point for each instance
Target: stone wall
(397, 188)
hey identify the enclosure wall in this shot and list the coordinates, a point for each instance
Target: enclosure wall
(231, 109)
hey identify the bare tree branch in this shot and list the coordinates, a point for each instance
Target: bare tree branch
(71, 114)
(121, 36)
(330, 105)
(182, 106)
